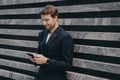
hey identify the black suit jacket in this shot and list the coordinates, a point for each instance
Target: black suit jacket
(59, 50)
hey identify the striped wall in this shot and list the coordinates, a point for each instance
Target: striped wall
(93, 24)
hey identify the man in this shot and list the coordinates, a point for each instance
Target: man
(55, 50)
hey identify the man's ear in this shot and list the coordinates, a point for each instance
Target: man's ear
(56, 18)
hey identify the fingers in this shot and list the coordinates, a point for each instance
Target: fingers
(32, 59)
(38, 59)
(38, 55)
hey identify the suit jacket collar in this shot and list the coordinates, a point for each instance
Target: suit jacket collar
(53, 36)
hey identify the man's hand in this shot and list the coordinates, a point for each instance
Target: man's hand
(39, 59)
(31, 59)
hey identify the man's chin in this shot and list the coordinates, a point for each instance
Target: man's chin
(47, 28)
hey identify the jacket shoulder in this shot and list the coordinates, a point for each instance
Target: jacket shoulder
(64, 32)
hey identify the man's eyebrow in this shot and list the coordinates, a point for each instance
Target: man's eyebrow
(45, 19)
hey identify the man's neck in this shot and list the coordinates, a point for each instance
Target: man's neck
(53, 29)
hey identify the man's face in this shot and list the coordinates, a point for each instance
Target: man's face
(48, 21)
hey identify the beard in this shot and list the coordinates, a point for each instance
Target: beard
(50, 27)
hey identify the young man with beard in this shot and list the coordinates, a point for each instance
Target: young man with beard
(55, 48)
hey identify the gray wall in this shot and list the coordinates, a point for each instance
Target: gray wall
(98, 59)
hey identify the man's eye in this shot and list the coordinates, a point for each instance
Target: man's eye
(47, 20)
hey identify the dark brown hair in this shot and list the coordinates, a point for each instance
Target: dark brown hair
(50, 9)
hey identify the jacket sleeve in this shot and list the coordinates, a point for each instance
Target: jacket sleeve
(67, 54)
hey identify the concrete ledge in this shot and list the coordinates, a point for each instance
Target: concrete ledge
(14, 75)
(19, 65)
(95, 65)
(79, 76)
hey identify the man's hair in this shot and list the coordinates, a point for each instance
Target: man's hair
(50, 9)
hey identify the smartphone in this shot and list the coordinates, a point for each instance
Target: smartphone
(31, 55)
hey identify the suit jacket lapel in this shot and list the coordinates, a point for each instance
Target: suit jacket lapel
(45, 36)
(53, 36)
